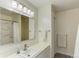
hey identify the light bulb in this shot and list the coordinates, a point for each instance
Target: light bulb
(25, 9)
(32, 14)
(29, 11)
(14, 4)
(19, 7)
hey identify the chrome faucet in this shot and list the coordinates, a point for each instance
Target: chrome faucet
(25, 47)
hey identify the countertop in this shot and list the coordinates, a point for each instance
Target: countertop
(32, 52)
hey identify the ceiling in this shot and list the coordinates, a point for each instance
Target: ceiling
(60, 5)
(39, 3)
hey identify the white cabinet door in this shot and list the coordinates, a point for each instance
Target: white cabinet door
(45, 53)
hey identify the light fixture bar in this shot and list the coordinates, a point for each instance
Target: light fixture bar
(16, 5)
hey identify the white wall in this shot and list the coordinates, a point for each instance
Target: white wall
(76, 52)
(67, 22)
(45, 23)
(44, 18)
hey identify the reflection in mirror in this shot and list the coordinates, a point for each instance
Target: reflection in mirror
(7, 20)
(6, 32)
(8, 37)
(24, 28)
(15, 28)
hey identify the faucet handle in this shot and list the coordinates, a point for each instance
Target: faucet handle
(25, 47)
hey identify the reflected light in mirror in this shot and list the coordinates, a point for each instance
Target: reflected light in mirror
(29, 11)
(25, 9)
(20, 7)
(32, 13)
(14, 4)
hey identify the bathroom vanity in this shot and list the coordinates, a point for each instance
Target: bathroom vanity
(40, 50)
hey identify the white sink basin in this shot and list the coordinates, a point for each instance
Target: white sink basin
(24, 53)
(32, 52)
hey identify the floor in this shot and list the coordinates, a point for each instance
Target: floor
(58, 55)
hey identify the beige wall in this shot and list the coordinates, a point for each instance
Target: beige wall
(67, 22)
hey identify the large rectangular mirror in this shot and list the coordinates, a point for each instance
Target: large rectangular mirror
(15, 28)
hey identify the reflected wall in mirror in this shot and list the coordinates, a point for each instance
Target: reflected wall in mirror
(7, 18)
(6, 32)
(9, 33)
(24, 28)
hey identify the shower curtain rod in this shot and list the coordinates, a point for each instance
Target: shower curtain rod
(8, 20)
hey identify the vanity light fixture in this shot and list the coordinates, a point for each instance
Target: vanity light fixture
(20, 7)
(14, 4)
